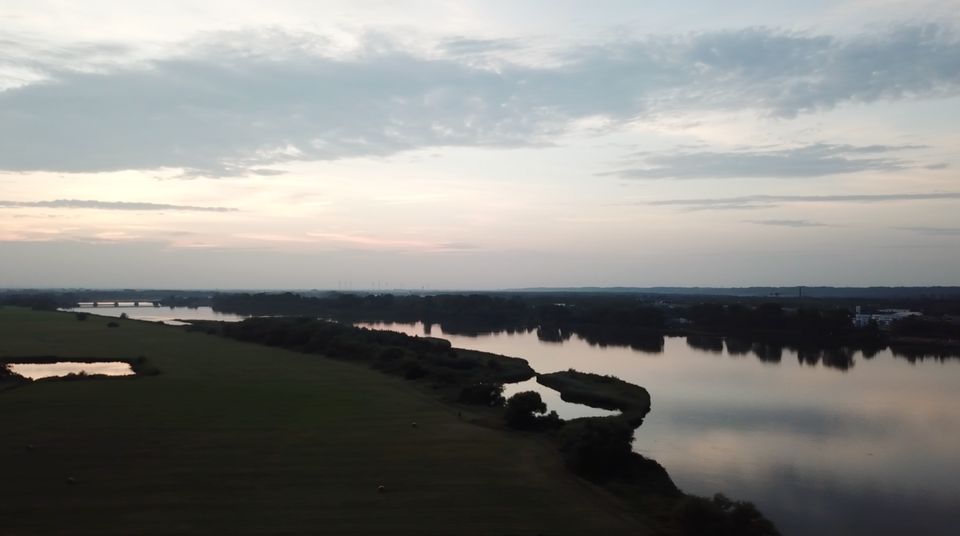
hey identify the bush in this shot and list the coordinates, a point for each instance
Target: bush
(82, 316)
(447, 377)
(549, 421)
(721, 516)
(141, 367)
(391, 354)
(482, 394)
(112, 324)
(412, 370)
(457, 363)
(522, 409)
(597, 447)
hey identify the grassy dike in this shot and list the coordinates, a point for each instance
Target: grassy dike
(236, 438)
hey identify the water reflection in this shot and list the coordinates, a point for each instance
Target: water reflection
(872, 450)
(553, 334)
(815, 351)
(37, 371)
(706, 343)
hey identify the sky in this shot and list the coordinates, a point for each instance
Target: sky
(478, 144)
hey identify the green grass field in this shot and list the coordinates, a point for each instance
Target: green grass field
(234, 438)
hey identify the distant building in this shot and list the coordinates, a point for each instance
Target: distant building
(883, 317)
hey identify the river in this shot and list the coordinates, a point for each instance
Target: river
(859, 447)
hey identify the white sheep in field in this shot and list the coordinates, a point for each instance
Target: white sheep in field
(381, 488)
(413, 424)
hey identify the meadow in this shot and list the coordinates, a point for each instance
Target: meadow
(237, 438)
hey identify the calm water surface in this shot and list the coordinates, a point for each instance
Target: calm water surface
(873, 449)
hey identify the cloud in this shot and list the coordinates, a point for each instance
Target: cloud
(770, 201)
(266, 172)
(25, 60)
(241, 101)
(789, 223)
(362, 241)
(109, 205)
(465, 46)
(815, 160)
(932, 231)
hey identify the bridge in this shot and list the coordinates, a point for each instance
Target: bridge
(119, 303)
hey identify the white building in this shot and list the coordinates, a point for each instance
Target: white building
(883, 317)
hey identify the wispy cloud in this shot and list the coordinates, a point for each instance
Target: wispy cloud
(789, 223)
(384, 243)
(358, 241)
(769, 201)
(109, 205)
(932, 231)
(242, 102)
(466, 46)
(815, 160)
(276, 238)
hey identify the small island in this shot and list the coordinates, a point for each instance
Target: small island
(598, 391)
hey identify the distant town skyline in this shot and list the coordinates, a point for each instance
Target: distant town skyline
(479, 145)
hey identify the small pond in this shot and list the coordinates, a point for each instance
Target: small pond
(167, 315)
(551, 398)
(36, 371)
